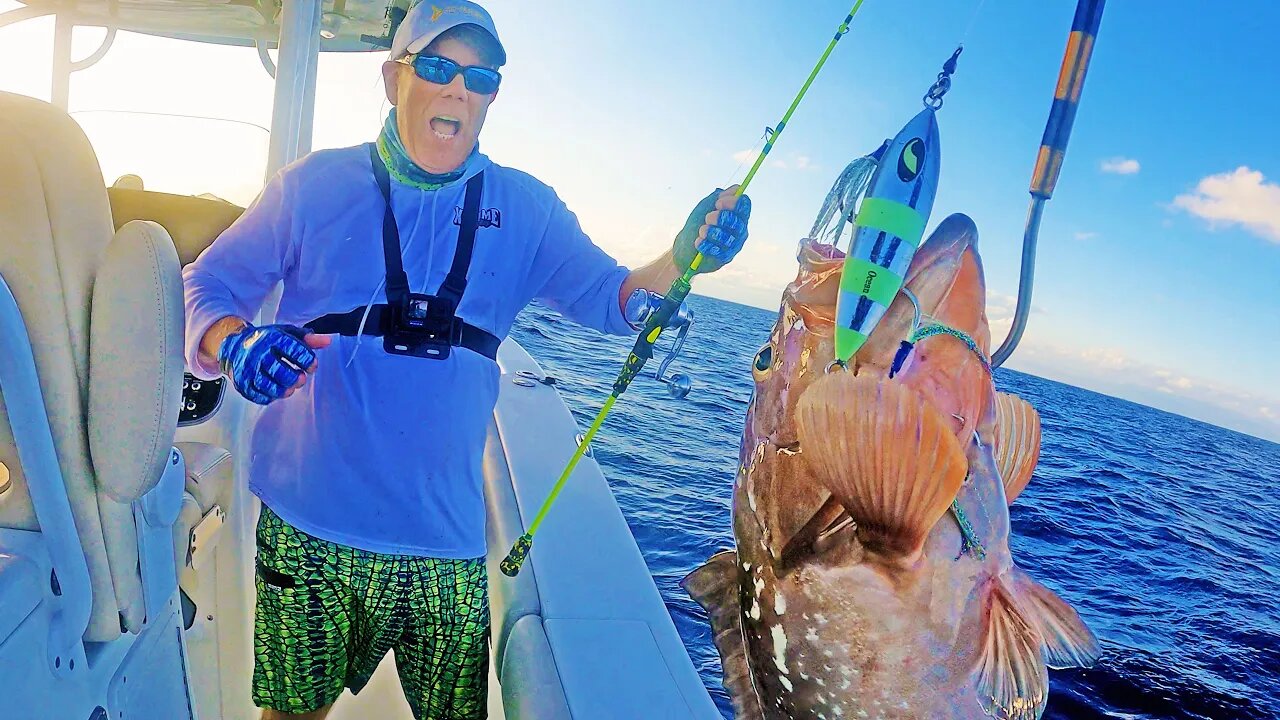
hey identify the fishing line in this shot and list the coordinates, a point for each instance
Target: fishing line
(642, 351)
(973, 18)
(764, 137)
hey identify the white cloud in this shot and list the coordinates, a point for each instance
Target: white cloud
(1120, 166)
(1001, 308)
(1115, 372)
(1240, 197)
(1082, 236)
(756, 277)
(1000, 311)
(1107, 359)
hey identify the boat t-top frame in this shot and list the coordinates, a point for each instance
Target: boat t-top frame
(299, 31)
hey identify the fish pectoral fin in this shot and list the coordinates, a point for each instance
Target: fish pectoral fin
(1017, 442)
(714, 586)
(886, 454)
(1068, 642)
(1012, 680)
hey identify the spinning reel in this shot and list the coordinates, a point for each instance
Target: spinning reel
(640, 306)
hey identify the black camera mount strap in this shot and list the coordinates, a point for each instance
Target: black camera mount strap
(383, 318)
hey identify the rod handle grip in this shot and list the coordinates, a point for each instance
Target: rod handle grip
(510, 566)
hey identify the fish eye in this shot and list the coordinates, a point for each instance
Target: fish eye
(764, 358)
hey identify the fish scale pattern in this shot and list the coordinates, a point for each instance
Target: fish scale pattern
(327, 614)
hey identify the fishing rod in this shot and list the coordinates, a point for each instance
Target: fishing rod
(1053, 147)
(642, 351)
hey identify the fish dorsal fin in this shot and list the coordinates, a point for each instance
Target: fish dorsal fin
(1068, 642)
(1017, 442)
(887, 455)
(1012, 680)
(714, 585)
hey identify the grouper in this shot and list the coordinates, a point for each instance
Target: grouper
(872, 575)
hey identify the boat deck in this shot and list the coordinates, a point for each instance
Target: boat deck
(382, 698)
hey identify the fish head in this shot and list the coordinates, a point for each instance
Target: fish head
(775, 495)
(800, 346)
(946, 280)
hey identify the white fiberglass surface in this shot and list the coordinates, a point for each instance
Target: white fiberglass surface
(382, 697)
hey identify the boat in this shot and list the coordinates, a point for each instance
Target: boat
(126, 524)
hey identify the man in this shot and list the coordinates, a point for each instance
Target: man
(367, 457)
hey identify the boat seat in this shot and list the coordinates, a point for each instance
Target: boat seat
(102, 311)
(193, 222)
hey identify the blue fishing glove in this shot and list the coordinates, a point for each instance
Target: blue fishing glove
(724, 239)
(264, 362)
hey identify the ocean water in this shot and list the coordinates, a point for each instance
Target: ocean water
(1163, 532)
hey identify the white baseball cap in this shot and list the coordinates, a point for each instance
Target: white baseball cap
(427, 20)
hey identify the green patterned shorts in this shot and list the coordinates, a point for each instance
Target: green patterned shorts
(327, 615)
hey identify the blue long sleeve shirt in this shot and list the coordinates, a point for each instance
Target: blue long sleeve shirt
(377, 451)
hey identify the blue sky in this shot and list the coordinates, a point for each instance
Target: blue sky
(1159, 268)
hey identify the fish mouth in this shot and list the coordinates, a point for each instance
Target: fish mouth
(812, 295)
(445, 127)
(815, 250)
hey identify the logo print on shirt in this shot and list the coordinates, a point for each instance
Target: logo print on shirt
(489, 217)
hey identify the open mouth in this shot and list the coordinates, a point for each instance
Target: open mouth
(445, 127)
(824, 251)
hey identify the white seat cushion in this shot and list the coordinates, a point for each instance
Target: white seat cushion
(56, 226)
(102, 326)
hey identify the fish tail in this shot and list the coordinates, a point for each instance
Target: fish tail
(887, 455)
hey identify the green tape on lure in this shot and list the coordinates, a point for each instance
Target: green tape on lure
(888, 228)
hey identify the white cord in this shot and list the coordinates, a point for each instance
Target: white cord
(381, 283)
(972, 19)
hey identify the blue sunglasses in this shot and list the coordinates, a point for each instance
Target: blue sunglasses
(442, 71)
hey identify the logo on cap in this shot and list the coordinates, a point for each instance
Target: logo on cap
(437, 11)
